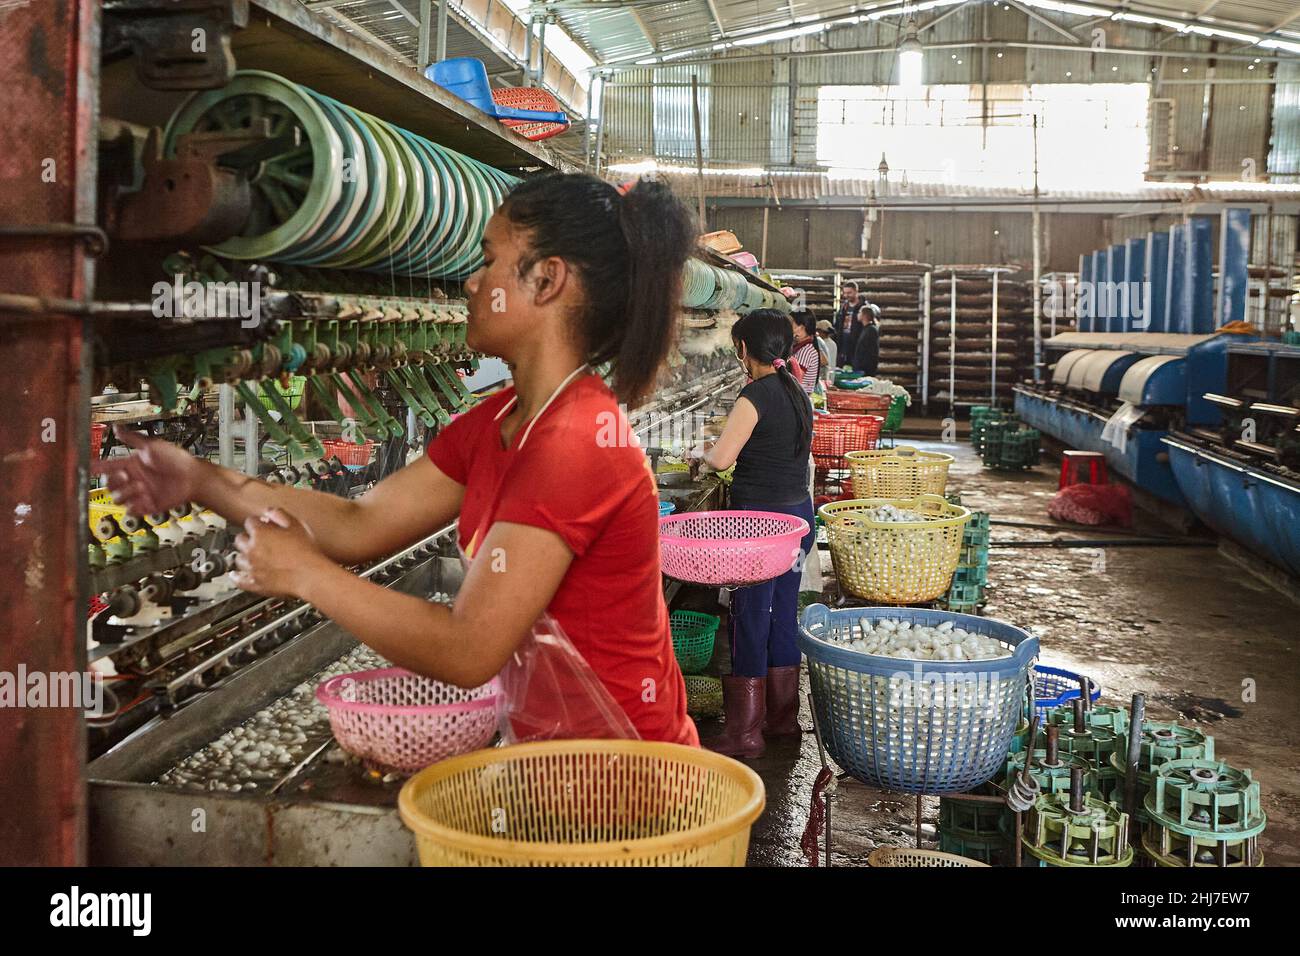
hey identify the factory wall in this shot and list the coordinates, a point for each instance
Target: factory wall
(806, 238)
(763, 112)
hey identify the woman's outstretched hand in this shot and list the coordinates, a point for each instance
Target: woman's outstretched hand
(156, 476)
(276, 555)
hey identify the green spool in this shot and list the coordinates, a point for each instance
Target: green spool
(1203, 813)
(293, 192)
(1160, 743)
(1094, 837)
(411, 207)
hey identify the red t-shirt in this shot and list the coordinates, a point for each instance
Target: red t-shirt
(579, 476)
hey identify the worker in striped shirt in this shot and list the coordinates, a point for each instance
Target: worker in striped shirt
(806, 352)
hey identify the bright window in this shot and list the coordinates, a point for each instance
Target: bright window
(1090, 136)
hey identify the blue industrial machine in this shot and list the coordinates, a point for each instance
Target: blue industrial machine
(1200, 417)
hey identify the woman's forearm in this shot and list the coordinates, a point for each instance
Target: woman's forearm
(238, 497)
(425, 638)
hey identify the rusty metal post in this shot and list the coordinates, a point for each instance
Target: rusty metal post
(49, 64)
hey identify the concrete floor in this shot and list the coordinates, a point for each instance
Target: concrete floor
(1183, 625)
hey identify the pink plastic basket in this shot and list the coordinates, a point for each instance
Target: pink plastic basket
(398, 721)
(729, 548)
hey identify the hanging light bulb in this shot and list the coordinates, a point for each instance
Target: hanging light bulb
(910, 57)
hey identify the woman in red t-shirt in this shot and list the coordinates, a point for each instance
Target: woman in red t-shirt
(557, 506)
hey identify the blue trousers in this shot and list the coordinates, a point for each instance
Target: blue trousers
(764, 617)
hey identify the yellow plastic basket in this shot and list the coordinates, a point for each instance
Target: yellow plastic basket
(100, 504)
(902, 472)
(583, 803)
(906, 856)
(895, 562)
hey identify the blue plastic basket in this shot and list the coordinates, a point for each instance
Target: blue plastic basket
(666, 508)
(1054, 687)
(915, 726)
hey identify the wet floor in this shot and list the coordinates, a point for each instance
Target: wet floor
(1208, 643)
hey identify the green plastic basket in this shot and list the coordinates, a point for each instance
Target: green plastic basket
(703, 696)
(694, 634)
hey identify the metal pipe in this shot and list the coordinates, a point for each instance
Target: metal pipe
(699, 149)
(442, 30)
(422, 43)
(1052, 758)
(226, 426)
(600, 128)
(1076, 789)
(528, 50)
(1079, 726)
(252, 457)
(541, 52)
(1137, 714)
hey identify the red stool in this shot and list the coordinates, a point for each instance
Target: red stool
(1072, 463)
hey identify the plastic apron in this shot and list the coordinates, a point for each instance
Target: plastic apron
(548, 690)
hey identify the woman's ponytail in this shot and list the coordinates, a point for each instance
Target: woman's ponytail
(628, 250)
(659, 234)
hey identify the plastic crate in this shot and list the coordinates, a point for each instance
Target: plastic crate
(915, 726)
(969, 574)
(694, 635)
(894, 562)
(965, 593)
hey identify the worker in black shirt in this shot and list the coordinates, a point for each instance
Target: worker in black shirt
(768, 437)
(866, 355)
(847, 324)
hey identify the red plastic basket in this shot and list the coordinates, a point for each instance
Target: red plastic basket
(97, 431)
(352, 455)
(834, 436)
(729, 548)
(398, 721)
(848, 400)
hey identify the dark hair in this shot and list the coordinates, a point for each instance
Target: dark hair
(628, 251)
(849, 284)
(767, 336)
(806, 319)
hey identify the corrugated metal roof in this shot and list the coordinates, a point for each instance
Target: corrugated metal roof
(689, 24)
